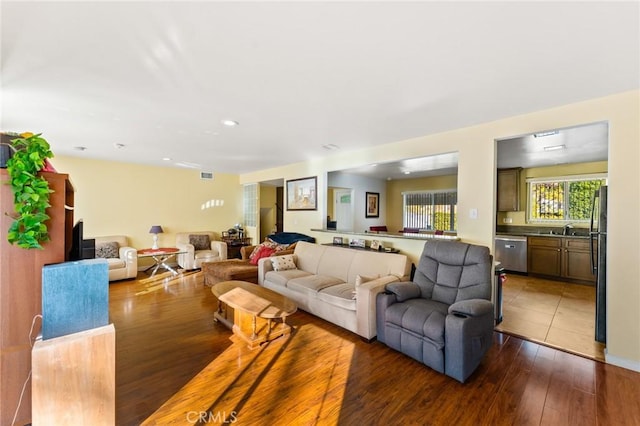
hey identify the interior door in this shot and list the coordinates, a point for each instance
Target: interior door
(343, 209)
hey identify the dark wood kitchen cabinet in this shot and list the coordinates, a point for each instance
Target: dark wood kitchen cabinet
(544, 256)
(508, 192)
(560, 257)
(576, 260)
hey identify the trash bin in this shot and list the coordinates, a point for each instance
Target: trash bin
(499, 279)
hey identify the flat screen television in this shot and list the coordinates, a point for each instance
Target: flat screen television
(81, 248)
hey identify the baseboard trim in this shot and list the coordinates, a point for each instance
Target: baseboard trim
(621, 362)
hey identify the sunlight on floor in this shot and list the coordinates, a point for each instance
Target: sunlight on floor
(242, 383)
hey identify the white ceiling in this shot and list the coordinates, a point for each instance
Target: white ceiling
(158, 78)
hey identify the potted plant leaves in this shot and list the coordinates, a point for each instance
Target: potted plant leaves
(31, 192)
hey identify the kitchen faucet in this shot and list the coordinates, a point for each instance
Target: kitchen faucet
(565, 229)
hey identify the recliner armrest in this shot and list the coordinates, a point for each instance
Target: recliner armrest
(471, 308)
(403, 290)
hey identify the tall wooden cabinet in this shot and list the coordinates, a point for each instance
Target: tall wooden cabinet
(508, 190)
(21, 292)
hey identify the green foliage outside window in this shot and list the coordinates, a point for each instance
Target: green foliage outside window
(566, 201)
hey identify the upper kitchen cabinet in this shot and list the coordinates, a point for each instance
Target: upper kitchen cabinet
(509, 189)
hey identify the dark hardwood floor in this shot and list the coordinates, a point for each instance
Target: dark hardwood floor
(176, 366)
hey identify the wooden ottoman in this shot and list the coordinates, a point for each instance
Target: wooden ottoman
(229, 270)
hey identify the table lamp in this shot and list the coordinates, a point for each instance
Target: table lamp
(155, 230)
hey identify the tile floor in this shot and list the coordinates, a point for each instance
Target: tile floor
(556, 313)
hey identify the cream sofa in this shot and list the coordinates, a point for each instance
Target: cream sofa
(194, 257)
(324, 282)
(124, 263)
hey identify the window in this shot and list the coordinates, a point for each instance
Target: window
(431, 210)
(562, 199)
(250, 204)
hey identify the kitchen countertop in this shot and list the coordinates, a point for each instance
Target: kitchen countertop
(539, 234)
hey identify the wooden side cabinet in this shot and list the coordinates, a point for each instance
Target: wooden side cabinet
(560, 257)
(508, 190)
(21, 293)
(576, 260)
(544, 256)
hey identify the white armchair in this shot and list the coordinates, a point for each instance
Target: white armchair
(199, 247)
(122, 259)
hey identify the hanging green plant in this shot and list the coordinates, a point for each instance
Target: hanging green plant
(31, 192)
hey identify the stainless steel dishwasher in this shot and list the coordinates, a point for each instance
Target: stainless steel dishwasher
(511, 252)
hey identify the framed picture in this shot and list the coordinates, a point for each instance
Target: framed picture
(302, 194)
(375, 245)
(373, 204)
(337, 240)
(355, 242)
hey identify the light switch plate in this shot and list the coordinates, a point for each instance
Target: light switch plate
(473, 213)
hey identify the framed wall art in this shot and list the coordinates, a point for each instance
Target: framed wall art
(373, 204)
(302, 194)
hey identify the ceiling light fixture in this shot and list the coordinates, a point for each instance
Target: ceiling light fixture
(331, 147)
(407, 173)
(230, 123)
(545, 134)
(80, 148)
(554, 147)
(119, 145)
(166, 159)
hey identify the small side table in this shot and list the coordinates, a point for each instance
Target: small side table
(160, 258)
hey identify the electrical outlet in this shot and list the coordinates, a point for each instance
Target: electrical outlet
(507, 220)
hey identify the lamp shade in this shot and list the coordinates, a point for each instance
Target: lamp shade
(156, 229)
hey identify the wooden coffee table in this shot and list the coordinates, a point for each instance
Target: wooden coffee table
(254, 310)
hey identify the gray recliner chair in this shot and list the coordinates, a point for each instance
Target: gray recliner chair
(444, 317)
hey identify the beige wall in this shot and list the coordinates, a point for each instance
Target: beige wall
(519, 218)
(476, 191)
(126, 199)
(395, 188)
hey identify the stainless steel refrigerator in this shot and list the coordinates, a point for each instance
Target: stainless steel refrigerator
(598, 234)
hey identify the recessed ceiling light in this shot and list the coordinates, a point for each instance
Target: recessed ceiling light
(554, 147)
(331, 147)
(119, 145)
(544, 134)
(166, 159)
(407, 173)
(230, 123)
(80, 148)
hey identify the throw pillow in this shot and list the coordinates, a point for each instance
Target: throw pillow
(108, 250)
(283, 263)
(361, 279)
(200, 242)
(263, 251)
(266, 243)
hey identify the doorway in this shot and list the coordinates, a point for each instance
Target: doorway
(553, 311)
(343, 210)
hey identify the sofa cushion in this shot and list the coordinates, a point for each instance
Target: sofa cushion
(283, 277)
(206, 254)
(116, 263)
(340, 295)
(283, 263)
(200, 241)
(108, 250)
(312, 283)
(361, 279)
(261, 251)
